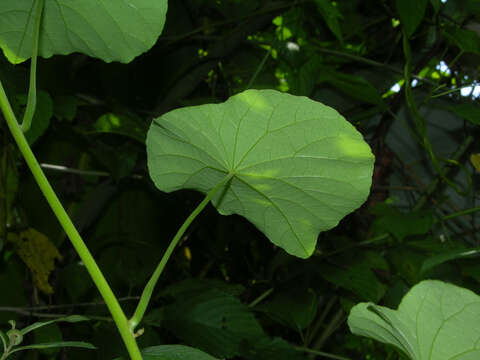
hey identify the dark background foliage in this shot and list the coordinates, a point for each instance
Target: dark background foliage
(228, 290)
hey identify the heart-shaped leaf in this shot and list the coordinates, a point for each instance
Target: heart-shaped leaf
(297, 166)
(109, 30)
(435, 321)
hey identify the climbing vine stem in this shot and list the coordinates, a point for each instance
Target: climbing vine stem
(67, 224)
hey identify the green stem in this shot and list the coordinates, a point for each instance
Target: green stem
(32, 91)
(65, 221)
(148, 290)
(262, 297)
(460, 213)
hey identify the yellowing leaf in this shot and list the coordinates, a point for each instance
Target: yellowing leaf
(39, 254)
(475, 160)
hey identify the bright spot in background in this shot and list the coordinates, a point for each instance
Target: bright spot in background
(443, 67)
(293, 46)
(443, 1)
(473, 91)
(395, 88)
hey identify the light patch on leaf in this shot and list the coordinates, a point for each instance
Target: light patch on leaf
(475, 160)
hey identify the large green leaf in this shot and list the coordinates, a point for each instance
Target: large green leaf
(435, 321)
(298, 166)
(110, 30)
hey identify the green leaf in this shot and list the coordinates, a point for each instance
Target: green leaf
(411, 13)
(302, 81)
(355, 86)
(435, 321)
(65, 107)
(266, 348)
(399, 224)
(191, 286)
(467, 111)
(46, 335)
(174, 352)
(298, 166)
(450, 255)
(39, 324)
(297, 311)
(213, 321)
(436, 5)
(76, 344)
(358, 275)
(120, 125)
(466, 40)
(331, 15)
(108, 30)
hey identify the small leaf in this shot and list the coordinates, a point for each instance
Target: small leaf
(76, 344)
(435, 320)
(355, 86)
(46, 335)
(111, 31)
(174, 352)
(475, 160)
(411, 13)
(39, 324)
(298, 166)
(399, 224)
(467, 111)
(331, 15)
(39, 254)
(436, 5)
(120, 125)
(466, 40)
(450, 255)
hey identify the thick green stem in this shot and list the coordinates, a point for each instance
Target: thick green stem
(148, 290)
(62, 216)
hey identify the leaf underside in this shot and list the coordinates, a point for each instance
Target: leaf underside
(298, 166)
(111, 30)
(435, 321)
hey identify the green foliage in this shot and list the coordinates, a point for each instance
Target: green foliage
(174, 352)
(213, 321)
(428, 318)
(116, 32)
(411, 13)
(49, 340)
(89, 129)
(298, 167)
